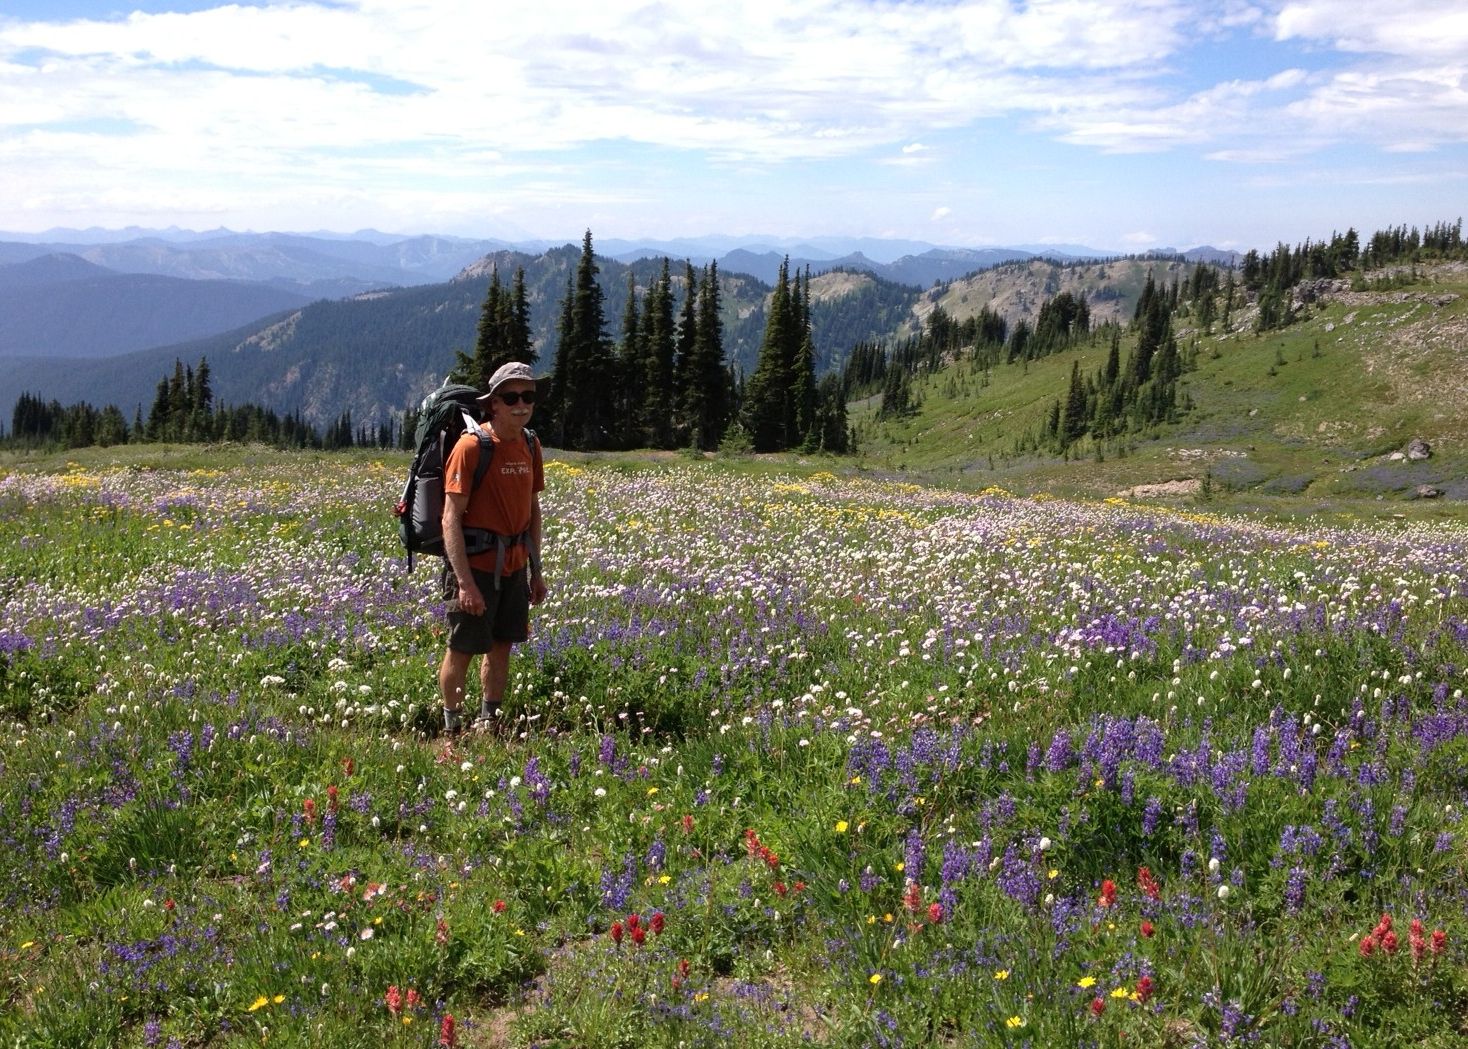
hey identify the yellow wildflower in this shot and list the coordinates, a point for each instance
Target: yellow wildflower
(1002, 974)
(259, 1003)
(1014, 1021)
(1086, 981)
(841, 826)
(1120, 992)
(874, 979)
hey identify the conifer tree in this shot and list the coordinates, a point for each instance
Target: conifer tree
(519, 339)
(706, 397)
(660, 337)
(632, 394)
(769, 410)
(687, 333)
(586, 369)
(1074, 415)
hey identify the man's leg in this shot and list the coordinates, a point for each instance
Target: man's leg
(494, 676)
(453, 672)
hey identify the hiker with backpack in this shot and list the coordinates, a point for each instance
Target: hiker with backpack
(491, 543)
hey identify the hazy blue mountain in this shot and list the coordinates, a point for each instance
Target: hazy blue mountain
(314, 265)
(62, 306)
(1066, 252)
(49, 269)
(1213, 256)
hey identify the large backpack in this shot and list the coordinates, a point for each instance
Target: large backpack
(443, 416)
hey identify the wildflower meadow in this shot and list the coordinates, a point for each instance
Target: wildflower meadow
(788, 759)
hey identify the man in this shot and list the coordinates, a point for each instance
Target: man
(489, 593)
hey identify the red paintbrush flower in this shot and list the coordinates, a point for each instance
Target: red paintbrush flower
(1147, 883)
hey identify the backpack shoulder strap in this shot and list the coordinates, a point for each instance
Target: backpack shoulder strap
(486, 449)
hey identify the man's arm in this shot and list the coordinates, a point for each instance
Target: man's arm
(454, 507)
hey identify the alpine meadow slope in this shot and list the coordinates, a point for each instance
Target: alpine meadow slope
(1323, 409)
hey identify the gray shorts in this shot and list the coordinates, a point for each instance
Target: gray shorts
(506, 611)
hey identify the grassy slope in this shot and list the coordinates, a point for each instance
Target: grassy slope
(1292, 421)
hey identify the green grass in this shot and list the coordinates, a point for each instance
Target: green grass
(1288, 420)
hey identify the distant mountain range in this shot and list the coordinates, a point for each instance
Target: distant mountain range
(330, 265)
(377, 352)
(62, 306)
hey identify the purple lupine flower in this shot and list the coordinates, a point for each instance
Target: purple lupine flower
(1259, 752)
(1060, 756)
(1151, 815)
(535, 779)
(914, 854)
(1018, 879)
(1294, 893)
(657, 854)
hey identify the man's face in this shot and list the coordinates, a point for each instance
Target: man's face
(509, 405)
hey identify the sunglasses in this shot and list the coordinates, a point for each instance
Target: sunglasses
(516, 396)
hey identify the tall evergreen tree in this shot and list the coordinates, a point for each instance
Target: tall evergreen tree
(519, 340)
(682, 362)
(769, 409)
(586, 368)
(706, 398)
(660, 336)
(632, 394)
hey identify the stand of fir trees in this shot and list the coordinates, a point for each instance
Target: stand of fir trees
(1272, 277)
(183, 412)
(783, 406)
(664, 384)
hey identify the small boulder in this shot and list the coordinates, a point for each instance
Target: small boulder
(1426, 491)
(1418, 449)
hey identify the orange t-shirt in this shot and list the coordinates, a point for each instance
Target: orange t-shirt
(504, 499)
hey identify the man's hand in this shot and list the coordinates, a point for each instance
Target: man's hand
(471, 601)
(538, 590)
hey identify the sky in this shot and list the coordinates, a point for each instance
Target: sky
(1121, 125)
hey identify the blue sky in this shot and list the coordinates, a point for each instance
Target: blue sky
(1118, 125)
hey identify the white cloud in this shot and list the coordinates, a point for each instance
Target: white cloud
(940, 213)
(1408, 28)
(344, 105)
